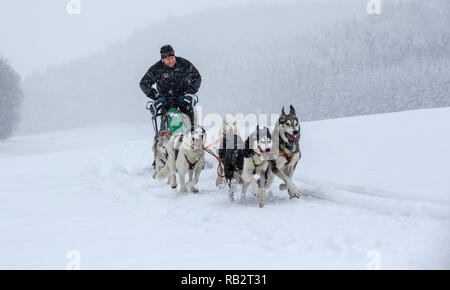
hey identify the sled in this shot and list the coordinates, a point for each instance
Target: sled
(177, 122)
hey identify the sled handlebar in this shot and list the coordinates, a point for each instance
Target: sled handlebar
(156, 108)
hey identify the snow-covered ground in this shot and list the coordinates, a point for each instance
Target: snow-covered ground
(376, 191)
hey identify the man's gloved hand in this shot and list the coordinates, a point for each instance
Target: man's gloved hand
(153, 94)
(161, 100)
(181, 99)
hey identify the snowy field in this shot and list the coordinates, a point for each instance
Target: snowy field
(373, 186)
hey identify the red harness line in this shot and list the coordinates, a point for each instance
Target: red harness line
(214, 144)
(207, 149)
(218, 159)
(165, 133)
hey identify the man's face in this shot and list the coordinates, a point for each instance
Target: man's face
(169, 61)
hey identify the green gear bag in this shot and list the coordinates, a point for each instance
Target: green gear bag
(175, 123)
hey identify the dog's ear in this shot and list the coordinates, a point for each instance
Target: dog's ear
(257, 133)
(282, 112)
(247, 152)
(292, 110)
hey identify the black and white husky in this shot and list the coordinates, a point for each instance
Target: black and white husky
(286, 135)
(230, 152)
(186, 156)
(257, 160)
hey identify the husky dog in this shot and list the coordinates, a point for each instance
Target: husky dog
(160, 145)
(161, 153)
(231, 153)
(232, 162)
(228, 149)
(257, 156)
(286, 135)
(186, 155)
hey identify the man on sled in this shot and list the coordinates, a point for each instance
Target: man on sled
(177, 81)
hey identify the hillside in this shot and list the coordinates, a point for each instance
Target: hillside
(373, 184)
(330, 59)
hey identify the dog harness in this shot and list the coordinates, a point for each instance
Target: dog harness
(191, 165)
(288, 159)
(254, 164)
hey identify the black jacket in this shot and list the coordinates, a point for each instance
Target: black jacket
(183, 78)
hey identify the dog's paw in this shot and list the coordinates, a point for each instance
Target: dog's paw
(231, 196)
(190, 184)
(294, 193)
(183, 190)
(283, 187)
(261, 203)
(220, 182)
(194, 190)
(256, 192)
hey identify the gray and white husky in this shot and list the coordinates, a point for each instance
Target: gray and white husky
(286, 135)
(186, 156)
(161, 153)
(257, 160)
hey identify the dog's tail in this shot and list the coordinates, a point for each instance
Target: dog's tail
(164, 173)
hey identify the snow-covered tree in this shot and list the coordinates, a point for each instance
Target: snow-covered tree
(10, 99)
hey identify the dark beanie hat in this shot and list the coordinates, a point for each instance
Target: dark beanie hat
(167, 51)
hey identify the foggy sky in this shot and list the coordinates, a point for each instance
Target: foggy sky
(35, 34)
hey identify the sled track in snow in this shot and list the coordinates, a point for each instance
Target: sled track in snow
(113, 166)
(372, 200)
(343, 195)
